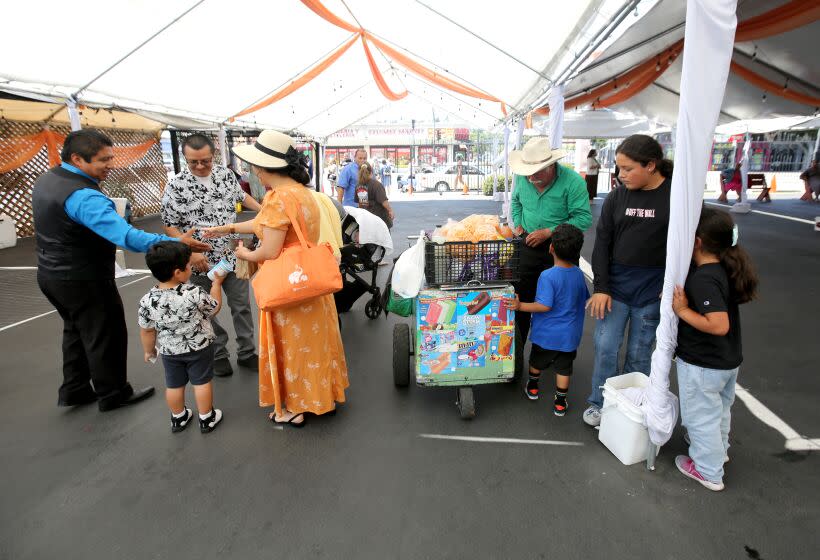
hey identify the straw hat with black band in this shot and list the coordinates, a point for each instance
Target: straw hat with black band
(536, 154)
(272, 150)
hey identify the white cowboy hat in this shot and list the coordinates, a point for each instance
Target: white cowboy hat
(534, 156)
(272, 150)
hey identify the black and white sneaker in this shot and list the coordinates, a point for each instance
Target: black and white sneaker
(210, 422)
(180, 423)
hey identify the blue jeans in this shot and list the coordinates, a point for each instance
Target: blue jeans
(609, 335)
(706, 397)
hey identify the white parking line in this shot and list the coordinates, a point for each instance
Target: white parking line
(794, 441)
(772, 214)
(18, 323)
(502, 440)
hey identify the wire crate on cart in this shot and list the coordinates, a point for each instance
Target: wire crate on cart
(463, 331)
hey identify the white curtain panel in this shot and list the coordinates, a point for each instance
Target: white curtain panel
(710, 32)
(556, 127)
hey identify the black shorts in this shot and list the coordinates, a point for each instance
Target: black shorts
(559, 362)
(196, 367)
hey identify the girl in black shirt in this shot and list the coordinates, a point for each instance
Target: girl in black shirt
(709, 350)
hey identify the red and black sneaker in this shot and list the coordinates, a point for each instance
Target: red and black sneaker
(560, 406)
(532, 389)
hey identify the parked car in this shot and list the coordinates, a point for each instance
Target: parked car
(443, 178)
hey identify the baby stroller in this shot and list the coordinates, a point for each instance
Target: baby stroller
(359, 266)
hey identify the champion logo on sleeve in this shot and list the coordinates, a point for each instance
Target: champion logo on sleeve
(706, 303)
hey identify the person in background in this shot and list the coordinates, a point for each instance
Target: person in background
(174, 318)
(592, 174)
(371, 195)
(77, 233)
(349, 179)
(709, 351)
(546, 195)
(557, 315)
(811, 180)
(205, 195)
(628, 263)
(730, 180)
(385, 172)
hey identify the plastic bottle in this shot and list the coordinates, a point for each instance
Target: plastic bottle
(222, 268)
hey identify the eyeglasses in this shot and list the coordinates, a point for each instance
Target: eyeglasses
(202, 162)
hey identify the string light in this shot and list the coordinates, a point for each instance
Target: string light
(764, 97)
(754, 54)
(786, 85)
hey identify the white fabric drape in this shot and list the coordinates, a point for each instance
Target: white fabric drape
(73, 115)
(556, 127)
(710, 32)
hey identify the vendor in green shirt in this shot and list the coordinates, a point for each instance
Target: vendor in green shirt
(545, 195)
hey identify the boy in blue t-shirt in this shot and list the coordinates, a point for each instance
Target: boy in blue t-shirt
(557, 315)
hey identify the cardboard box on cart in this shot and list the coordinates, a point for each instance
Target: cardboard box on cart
(465, 336)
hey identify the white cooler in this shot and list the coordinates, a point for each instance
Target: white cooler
(622, 422)
(8, 232)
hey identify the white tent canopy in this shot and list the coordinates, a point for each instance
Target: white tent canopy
(788, 57)
(219, 57)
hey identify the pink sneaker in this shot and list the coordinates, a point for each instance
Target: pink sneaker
(687, 467)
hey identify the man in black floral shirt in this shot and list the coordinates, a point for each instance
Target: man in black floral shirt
(205, 195)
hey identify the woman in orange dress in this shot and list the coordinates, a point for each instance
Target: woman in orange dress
(302, 367)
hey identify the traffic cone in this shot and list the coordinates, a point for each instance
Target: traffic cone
(773, 188)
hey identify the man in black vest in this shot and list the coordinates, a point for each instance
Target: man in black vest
(78, 230)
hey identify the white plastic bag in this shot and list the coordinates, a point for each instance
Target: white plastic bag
(408, 273)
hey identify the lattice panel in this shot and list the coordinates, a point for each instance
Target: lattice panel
(141, 183)
(16, 185)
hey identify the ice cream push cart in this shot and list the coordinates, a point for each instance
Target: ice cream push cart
(463, 332)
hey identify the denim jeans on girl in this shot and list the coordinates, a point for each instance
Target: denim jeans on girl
(609, 335)
(706, 397)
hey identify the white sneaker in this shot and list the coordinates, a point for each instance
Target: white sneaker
(592, 416)
(209, 423)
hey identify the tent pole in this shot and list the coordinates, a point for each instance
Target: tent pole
(148, 40)
(485, 41)
(175, 151)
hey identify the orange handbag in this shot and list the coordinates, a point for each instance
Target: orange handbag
(300, 272)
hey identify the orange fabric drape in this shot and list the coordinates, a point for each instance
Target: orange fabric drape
(629, 84)
(773, 87)
(125, 156)
(636, 85)
(319, 9)
(420, 70)
(378, 77)
(790, 15)
(428, 74)
(301, 80)
(18, 151)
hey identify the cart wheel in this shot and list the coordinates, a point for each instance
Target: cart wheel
(373, 308)
(466, 403)
(401, 355)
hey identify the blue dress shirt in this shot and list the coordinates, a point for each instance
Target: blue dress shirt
(348, 179)
(94, 210)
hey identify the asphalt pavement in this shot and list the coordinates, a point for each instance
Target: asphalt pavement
(76, 483)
